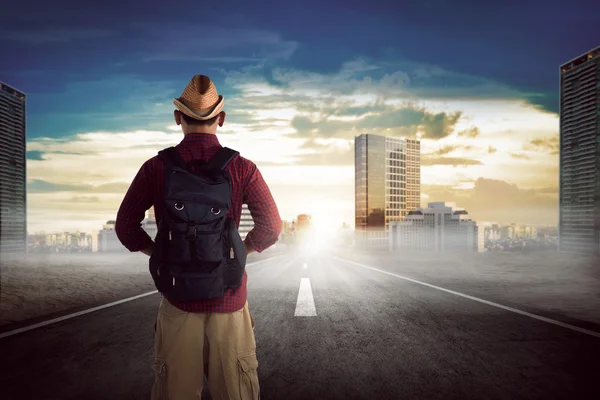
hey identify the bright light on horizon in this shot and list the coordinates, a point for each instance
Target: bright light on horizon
(324, 225)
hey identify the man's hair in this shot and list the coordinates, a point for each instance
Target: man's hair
(192, 121)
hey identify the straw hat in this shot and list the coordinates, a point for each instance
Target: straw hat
(200, 99)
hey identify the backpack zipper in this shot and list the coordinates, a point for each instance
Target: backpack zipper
(231, 253)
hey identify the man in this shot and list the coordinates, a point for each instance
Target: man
(210, 338)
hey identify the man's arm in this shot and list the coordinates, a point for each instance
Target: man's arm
(137, 201)
(267, 222)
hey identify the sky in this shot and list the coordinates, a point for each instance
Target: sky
(477, 81)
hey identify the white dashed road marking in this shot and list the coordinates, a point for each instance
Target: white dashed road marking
(305, 305)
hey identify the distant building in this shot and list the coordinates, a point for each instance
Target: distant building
(579, 159)
(514, 231)
(108, 240)
(60, 242)
(149, 226)
(438, 228)
(246, 222)
(303, 222)
(13, 167)
(151, 215)
(286, 227)
(493, 232)
(525, 232)
(95, 241)
(480, 238)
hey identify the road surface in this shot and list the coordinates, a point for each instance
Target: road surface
(326, 329)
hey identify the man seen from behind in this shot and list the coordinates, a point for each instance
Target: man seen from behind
(204, 328)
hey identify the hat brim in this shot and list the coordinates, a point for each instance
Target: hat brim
(203, 115)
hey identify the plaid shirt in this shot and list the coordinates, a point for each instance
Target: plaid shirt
(249, 188)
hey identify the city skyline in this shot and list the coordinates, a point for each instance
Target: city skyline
(99, 103)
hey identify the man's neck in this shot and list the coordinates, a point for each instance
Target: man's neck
(199, 131)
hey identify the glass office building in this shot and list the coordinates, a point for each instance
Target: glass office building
(579, 182)
(13, 195)
(387, 180)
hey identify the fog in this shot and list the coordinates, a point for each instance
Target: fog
(34, 285)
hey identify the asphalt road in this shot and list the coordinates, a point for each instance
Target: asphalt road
(374, 336)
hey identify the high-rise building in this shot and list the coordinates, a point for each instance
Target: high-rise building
(108, 240)
(579, 182)
(440, 227)
(303, 222)
(151, 214)
(246, 222)
(13, 194)
(387, 180)
(149, 226)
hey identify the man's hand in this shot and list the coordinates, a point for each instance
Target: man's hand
(249, 248)
(148, 251)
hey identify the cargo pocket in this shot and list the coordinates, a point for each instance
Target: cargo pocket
(249, 388)
(159, 390)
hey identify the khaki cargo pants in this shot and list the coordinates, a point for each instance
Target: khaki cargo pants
(192, 346)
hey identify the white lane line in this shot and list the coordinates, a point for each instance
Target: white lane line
(90, 310)
(514, 310)
(305, 305)
(77, 314)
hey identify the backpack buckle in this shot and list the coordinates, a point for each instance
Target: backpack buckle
(191, 232)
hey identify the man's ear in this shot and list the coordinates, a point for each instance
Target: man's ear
(177, 115)
(222, 116)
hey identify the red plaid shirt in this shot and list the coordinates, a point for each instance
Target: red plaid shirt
(249, 188)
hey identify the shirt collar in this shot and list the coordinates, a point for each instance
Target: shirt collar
(201, 137)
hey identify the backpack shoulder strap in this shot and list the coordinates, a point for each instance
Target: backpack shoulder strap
(223, 157)
(172, 158)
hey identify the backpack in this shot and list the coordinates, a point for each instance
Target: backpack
(198, 252)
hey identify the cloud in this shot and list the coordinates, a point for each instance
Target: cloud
(81, 199)
(546, 101)
(453, 161)
(320, 152)
(520, 156)
(492, 150)
(469, 133)
(548, 190)
(111, 103)
(439, 156)
(388, 79)
(444, 150)
(218, 60)
(44, 36)
(337, 158)
(175, 43)
(42, 186)
(548, 144)
(366, 96)
(499, 201)
(35, 155)
(402, 121)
